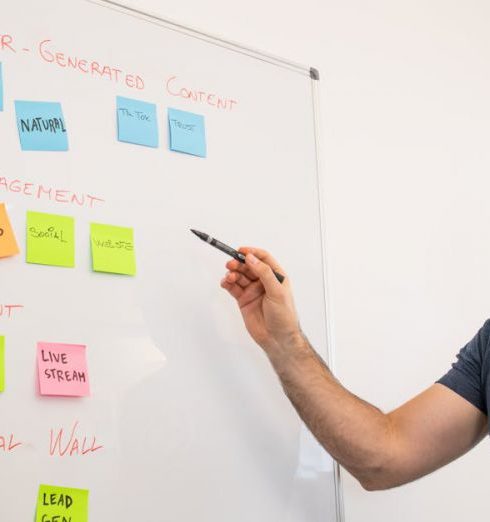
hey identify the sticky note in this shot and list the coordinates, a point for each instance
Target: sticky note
(1, 87)
(137, 122)
(50, 239)
(112, 249)
(62, 369)
(56, 503)
(8, 243)
(41, 126)
(187, 132)
(2, 363)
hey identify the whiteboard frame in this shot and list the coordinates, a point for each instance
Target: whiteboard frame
(320, 168)
(313, 74)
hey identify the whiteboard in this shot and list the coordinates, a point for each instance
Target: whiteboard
(192, 421)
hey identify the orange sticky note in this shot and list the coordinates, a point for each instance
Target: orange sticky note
(8, 243)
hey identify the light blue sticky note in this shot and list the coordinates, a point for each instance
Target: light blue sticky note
(187, 132)
(41, 126)
(137, 122)
(1, 87)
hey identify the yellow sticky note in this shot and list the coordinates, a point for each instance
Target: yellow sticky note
(59, 503)
(2, 363)
(50, 239)
(112, 249)
(8, 243)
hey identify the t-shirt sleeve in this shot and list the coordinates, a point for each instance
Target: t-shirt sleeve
(468, 375)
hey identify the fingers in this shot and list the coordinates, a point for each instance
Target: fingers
(234, 290)
(238, 278)
(236, 266)
(264, 256)
(235, 283)
(252, 273)
(264, 272)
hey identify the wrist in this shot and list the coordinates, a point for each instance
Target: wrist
(285, 352)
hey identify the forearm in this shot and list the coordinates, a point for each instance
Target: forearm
(355, 433)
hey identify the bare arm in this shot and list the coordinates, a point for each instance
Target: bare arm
(380, 450)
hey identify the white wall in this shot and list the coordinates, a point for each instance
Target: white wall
(406, 120)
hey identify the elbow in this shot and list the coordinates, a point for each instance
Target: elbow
(378, 479)
(384, 469)
(373, 484)
(380, 473)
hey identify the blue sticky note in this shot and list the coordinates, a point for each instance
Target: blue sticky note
(187, 132)
(41, 126)
(1, 87)
(137, 122)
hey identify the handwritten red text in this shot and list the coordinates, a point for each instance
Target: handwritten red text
(8, 310)
(62, 445)
(50, 54)
(175, 88)
(8, 443)
(6, 43)
(44, 192)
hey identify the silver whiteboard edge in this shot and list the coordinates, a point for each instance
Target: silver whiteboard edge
(203, 35)
(320, 168)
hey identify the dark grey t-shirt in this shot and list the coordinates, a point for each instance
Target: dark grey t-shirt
(469, 375)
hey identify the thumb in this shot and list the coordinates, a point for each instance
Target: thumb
(266, 275)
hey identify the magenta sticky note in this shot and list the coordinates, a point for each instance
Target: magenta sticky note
(62, 369)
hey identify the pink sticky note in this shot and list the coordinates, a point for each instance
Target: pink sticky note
(62, 369)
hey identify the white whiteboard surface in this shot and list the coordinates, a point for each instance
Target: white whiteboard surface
(193, 422)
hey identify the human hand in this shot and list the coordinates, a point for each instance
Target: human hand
(266, 305)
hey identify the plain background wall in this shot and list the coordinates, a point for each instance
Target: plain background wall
(406, 129)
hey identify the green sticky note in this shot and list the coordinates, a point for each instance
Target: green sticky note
(58, 503)
(112, 249)
(50, 239)
(2, 363)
